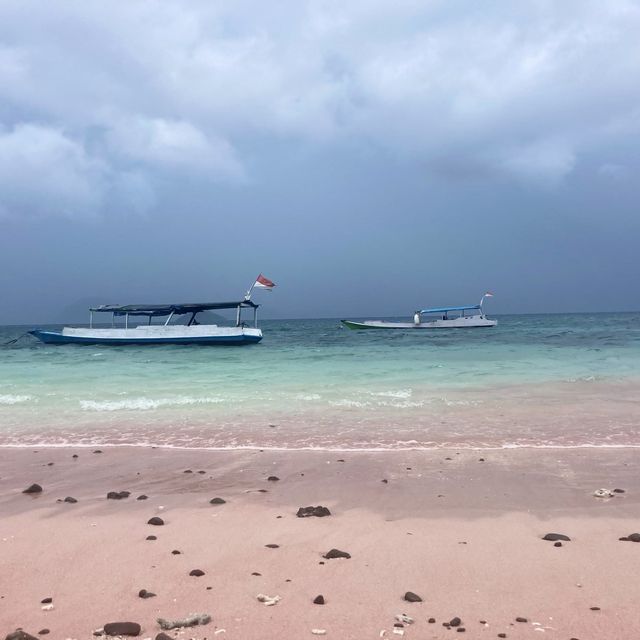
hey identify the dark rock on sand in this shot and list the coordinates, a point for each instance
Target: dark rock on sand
(619, 491)
(336, 553)
(318, 600)
(187, 471)
(118, 495)
(460, 629)
(196, 572)
(142, 497)
(19, 634)
(43, 632)
(595, 608)
(155, 521)
(75, 455)
(502, 635)
(176, 552)
(70, 500)
(455, 622)
(632, 537)
(34, 488)
(409, 596)
(554, 537)
(98, 451)
(385, 481)
(202, 472)
(557, 544)
(163, 636)
(217, 501)
(143, 593)
(431, 620)
(255, 573)
(122, 629)
(272, 546)
(151, 538)
(46, 601)
(519, 619)
(307, 512)
(273, 478)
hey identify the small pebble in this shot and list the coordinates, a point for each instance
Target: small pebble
(196, 573)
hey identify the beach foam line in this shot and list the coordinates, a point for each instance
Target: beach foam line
(15, 399)
(328, 449)
(143, 403)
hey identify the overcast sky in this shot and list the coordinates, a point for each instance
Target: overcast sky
(369, 157)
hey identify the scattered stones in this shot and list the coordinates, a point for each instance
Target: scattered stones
(336, 553)
(192, 620)
(118, 495)
(318, 512)
(151, 538)
(217, 501)
(632, 537)
(403, 618)
(269, 601)
(619, 491)
(46, 601)
(318, 600)
(34, 488)
(520, 619)
(176, 552)
(156, 521)
(554, 537)
(70, 500)
(603, 493)
(187, 471)
(122, 629)
(455, 622)
(44, 632)
(196, 573)
(409, 596)
(163, 636)
(460, 629)
(19, 634)
(142, 497)
(272, 546)
(143, 593)
(202, 472)
(273, 479)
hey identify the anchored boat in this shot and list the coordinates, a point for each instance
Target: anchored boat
(190, 333)
(437, 318)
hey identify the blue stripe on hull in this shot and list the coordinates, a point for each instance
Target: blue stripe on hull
(52, 337)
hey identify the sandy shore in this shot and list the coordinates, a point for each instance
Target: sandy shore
(464, 534)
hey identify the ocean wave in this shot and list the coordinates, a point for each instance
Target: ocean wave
(401, 393)
(143, 404)
(14, 399)
(308, 396)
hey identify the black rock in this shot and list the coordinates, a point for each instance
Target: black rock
(460, 629)
(122, 629)
(196, 572)
(75, 455)
(34, 488)
(187, 471)
(553, 537)
(118, 495)
(340, 460)
(480, 459)
(632, 537)
(43, 632)
(142, 497)
(46, 601)
(431, 620)
(217, 501)
(272, 546)
(557, 544)
(202, 472)
(307, 512)
(157, 522)
(97, 451)
(19, 634)
(520, 619)
(273, 478)
(163, 636)
(455, 622)
(50, 464)
(143, 593)
(318, 600)
(595, 608)
(255, 573)
(398, 625)
(502, 635)
(336, 553)
(385, 481)
(411, 597)
(151, 538)
(175, 552)
(619, 491)
(70, 500)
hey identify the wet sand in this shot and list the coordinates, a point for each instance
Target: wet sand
(463, 534)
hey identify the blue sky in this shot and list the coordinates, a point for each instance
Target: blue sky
(370, 157)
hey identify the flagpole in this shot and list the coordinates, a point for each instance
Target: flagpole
(248, 296)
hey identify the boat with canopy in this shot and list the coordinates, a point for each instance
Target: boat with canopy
(464, 317)
(123, 331)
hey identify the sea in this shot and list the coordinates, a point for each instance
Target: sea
(554, 380)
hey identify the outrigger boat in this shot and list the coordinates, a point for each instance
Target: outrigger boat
(460, 318)
(143, 334)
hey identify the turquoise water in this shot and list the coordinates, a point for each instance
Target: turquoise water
(534, 380)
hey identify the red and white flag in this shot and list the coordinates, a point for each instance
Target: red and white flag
(263, 283)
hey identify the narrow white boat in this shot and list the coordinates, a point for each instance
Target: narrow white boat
(441, 318)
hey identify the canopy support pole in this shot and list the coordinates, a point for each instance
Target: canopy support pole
(238, 316)
(255, 317)
(91, 319)
(169, 319)
(126, 320)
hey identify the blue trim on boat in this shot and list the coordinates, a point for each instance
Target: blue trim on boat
(55, 337)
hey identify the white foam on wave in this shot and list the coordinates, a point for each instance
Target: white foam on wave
(143, 404)
(401, 393)
(14, 399)
(308, 396)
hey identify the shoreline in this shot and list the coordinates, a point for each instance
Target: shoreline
(461, 529)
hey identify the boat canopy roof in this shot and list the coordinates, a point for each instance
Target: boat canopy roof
(445, 309)
(168, 309)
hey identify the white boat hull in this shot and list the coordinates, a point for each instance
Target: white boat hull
(153, 334)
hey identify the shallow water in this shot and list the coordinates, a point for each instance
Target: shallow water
(534, 380)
